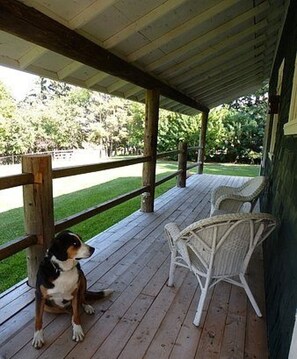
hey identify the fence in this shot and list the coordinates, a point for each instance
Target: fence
(37, 180)
(59, 155)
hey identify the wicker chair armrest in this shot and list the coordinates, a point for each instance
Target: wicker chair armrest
(225, 217)
(221, 191)
(230, 202)
(233, 197)
(172, 230)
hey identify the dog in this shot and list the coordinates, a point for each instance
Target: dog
(61, 284)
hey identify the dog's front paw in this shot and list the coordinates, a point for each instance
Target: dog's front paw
(78, 334)
(38, 340)
(88, 309)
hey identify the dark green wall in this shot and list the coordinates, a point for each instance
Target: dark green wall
(280, 198)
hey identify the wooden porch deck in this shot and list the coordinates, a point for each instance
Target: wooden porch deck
(144, 318)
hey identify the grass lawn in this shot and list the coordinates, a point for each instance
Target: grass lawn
(230, 169)
(12, 221)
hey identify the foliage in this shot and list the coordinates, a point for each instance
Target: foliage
(56, 116)
(174, 128)
(236, 131)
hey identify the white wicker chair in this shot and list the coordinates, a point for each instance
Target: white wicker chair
(237, 199)
(218, 248)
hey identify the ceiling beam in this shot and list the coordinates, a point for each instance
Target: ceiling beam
(229, 85)
(204, 16)
(219, 60)
(69, 69)
(228, 42)
(247, 91)
(226, 76)
(133, 91)
(235, 91)
(93, 80)
(207, 37)
(116, 86)
(89, 13)
(247, 59)
(32, 55)
(33, 26)
(142, 22)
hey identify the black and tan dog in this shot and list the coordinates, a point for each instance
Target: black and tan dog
(61, 284)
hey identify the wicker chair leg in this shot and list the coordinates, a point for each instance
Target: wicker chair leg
(250, 295)
(200, 307)
(172, 269)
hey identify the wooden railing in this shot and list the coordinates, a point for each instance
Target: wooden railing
(37, 178)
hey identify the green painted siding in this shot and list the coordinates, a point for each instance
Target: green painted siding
(280, 198)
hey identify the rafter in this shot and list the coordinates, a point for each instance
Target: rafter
(116, 85)
(226, 76)
(69, 69)
(90, 13)
(99, 76)
(234, 91)
(213, 49)
(207, 37)
(241, 60)
(32, 55)
(247, 91)
(31, 25)
(139, 24)
(183, 28)
(133, 91)
(218, 60)
(228, 84)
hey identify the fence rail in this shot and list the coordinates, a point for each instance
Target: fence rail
(78, 170)
(44, 188)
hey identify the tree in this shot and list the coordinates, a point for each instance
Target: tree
(7, 103)
(236, 130)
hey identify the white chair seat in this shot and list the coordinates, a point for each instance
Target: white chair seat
(237, 199)
(218, 248)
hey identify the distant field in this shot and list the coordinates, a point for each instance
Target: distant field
(95, 188)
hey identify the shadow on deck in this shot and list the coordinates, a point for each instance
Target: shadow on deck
(144, 318)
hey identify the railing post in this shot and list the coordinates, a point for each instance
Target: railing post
(182, 164)
(150, 148)
(38, 209)
(202, 140)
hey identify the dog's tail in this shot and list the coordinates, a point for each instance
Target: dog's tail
(89, 295)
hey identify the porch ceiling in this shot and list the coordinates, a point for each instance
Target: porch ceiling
(199, 53)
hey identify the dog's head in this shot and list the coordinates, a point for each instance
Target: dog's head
(68, 245)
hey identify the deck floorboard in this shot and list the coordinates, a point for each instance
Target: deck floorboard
(144, 318)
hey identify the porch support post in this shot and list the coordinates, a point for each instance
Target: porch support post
(150, 148)
(182, 164)
(202, 141)
(38, 209)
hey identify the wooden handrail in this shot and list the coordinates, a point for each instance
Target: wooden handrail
(16, 180)
(16, 245)
(168, 153)
(78, 170)
(192, 166)
(26, 241)
(90, 212)
(167, 178)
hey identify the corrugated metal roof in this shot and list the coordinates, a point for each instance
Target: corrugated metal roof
(208, 50)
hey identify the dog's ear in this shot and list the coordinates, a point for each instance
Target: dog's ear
(59, 246)
(58, 250)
